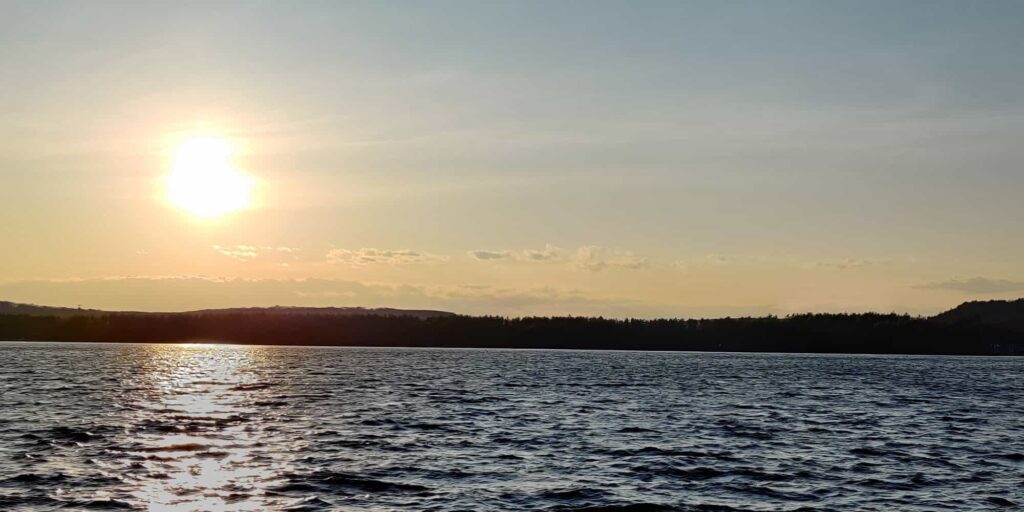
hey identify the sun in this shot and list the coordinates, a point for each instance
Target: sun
(203, 181)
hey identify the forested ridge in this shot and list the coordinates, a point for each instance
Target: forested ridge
(948, 333)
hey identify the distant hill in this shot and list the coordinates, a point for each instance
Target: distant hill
(327, 311)
(976, 328)
(1005, 314)
(14, 308)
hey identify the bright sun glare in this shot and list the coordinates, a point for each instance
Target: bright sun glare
(203, 181)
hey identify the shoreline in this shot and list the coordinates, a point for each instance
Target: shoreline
(519, 349)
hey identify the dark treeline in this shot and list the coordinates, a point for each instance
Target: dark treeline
(827, 333)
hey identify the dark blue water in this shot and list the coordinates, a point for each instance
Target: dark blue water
(160, 427)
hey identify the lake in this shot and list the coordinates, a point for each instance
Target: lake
(219, 427)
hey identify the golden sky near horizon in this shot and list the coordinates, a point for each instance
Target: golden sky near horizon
(692, 159)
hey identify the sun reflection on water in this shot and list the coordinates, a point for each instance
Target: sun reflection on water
(200, 435)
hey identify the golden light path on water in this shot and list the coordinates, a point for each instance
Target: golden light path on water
(204, 438)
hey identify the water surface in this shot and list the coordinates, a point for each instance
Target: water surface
(209, 427)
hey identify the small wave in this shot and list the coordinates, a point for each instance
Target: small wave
(37, 479)
(160, 426)
(670, 452)
(479, 399)
(573, 494)
(698, 473)
(270, 403)
(197, 423)
(36, 502)
(634, 430)
(107, 504)
(310, 504)
(629, 507)
(1002, 502)
(756, 474)
(963, 419)
(236, 497)
(428, 426)
(294, 487)
(736, 429)
(355, 443)
(250, 387)
(431, 474)
(211, 454)
(72, 434)
(158, 458)
(336, 481)
(196, 449)
(183, 447)
(888, 485)
(871, 452)
(763, 491)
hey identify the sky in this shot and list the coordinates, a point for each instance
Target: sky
(643, 159)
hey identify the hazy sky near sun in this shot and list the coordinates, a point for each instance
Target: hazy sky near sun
(616, 158)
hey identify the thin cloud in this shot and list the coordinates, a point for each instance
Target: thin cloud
(491, 255)
(370, 256)
(593, 258)
(851, 263)
(251, 252)
(238, 252)
(976, 285)
(717, 259)
(548, 253)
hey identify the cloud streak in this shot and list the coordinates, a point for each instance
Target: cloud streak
(370, 256)
(976, 285)
(251, 252)
(548, 253)
(484, 255)
(593, 258)
(852, 263)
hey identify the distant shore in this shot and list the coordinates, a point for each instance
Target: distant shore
(971, 329)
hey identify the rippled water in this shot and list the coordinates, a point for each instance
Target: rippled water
(162, 427)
